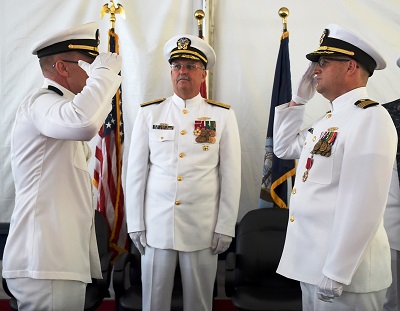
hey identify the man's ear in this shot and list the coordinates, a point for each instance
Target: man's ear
(60, 67)
(352, 66)
(204, 75)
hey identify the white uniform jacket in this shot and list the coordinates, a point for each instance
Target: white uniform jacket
(335, 225)
(52, 234)
(180, 191)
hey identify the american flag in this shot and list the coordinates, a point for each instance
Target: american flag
(108, 168)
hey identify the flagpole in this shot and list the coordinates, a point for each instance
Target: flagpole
(109, 150)
(112, 10)
(284, 13)
(199, 15)
(208, 7)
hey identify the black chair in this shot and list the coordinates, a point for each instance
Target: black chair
(251, 280)
(98, 289)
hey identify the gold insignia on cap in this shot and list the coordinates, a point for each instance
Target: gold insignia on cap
(324, 49)
(183, 43)
(98, 37)
(324, 34)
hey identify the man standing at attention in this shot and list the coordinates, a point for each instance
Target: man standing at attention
(336, 245)
(51, 251)
(183, 182)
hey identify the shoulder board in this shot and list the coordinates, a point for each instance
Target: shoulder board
(157, 101)
(54, 89)
(215, 103)
(365, 103)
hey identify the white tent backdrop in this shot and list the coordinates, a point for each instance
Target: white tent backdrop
(246, 41)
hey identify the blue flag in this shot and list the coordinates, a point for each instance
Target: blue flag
(277, 172)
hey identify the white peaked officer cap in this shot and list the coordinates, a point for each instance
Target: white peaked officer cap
(190, 47)
(82, 38)
(336, 41)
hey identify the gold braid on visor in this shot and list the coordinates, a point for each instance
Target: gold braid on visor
(83, 47)
(188, 52)
(332, 49)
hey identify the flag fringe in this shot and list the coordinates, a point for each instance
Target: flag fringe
(278, 201)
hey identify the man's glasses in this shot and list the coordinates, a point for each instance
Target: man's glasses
(70, 61)
(323, 61)
(67, 61)
(189, 67)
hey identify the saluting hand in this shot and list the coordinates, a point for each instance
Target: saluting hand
(306, 87)
(107, 60)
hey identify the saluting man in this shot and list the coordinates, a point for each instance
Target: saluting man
(183, 182)
(336, 244)
(51, 251)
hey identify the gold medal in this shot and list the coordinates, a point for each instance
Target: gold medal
(329, 148)
(323, 147)
(317, 146)
(305, 176)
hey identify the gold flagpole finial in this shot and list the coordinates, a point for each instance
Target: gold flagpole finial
(284, 13)
(199, 15)
(110, 8)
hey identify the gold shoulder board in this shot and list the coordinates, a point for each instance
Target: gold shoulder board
(215, 103)
(157, 101)
(365, 103)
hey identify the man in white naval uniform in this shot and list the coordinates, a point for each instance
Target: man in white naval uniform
(392, 218)
(51, 251)
(183, 182)
(336, 245)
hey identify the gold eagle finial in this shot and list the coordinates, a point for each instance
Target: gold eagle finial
(112, 10)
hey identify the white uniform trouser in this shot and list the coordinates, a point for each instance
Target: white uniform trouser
(47, 295)
(346, 302)
(198, 271)
(392, 295)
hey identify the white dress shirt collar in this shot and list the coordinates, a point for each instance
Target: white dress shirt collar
(343, 101)
(188, 103)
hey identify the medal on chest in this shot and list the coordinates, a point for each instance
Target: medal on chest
(322, 147)
(205, 130)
